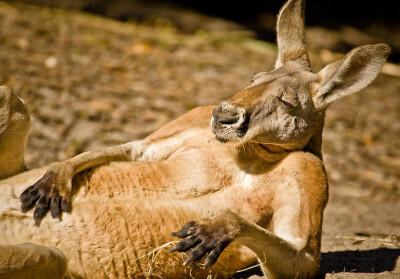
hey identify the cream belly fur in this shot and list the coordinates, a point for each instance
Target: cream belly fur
(251, 186)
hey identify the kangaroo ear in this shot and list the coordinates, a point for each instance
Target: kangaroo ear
(350, 74)
(291, 36)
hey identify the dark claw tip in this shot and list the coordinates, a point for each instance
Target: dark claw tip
(66, 206)
(56, 215)
(173, 249)
(24, 209)
(37, 222)
(208, 262)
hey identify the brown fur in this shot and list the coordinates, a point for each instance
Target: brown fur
(254, 185)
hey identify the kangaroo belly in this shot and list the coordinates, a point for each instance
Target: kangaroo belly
(110, 234)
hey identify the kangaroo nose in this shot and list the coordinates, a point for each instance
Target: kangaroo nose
(227, 117)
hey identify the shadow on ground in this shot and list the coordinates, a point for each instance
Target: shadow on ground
(370, 261)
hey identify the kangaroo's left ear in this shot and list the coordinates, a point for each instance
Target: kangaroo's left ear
(349, 74)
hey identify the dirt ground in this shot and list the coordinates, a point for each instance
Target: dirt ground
(92, 82)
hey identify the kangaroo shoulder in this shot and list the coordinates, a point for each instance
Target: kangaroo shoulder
(309, 170)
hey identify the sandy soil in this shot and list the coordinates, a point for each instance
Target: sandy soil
(92, 82)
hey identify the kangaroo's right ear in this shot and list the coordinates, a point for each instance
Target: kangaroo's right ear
(350, 74)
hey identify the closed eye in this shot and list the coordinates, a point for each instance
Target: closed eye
(286, 103)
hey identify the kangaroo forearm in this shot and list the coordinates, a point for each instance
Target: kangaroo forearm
(99, 157)
(278, 258)
(264, 243)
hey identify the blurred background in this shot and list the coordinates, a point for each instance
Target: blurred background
(346, 23)
(97, 73)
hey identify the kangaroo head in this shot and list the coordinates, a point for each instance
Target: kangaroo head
(284, 107)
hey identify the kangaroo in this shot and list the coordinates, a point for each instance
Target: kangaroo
(252, 187)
